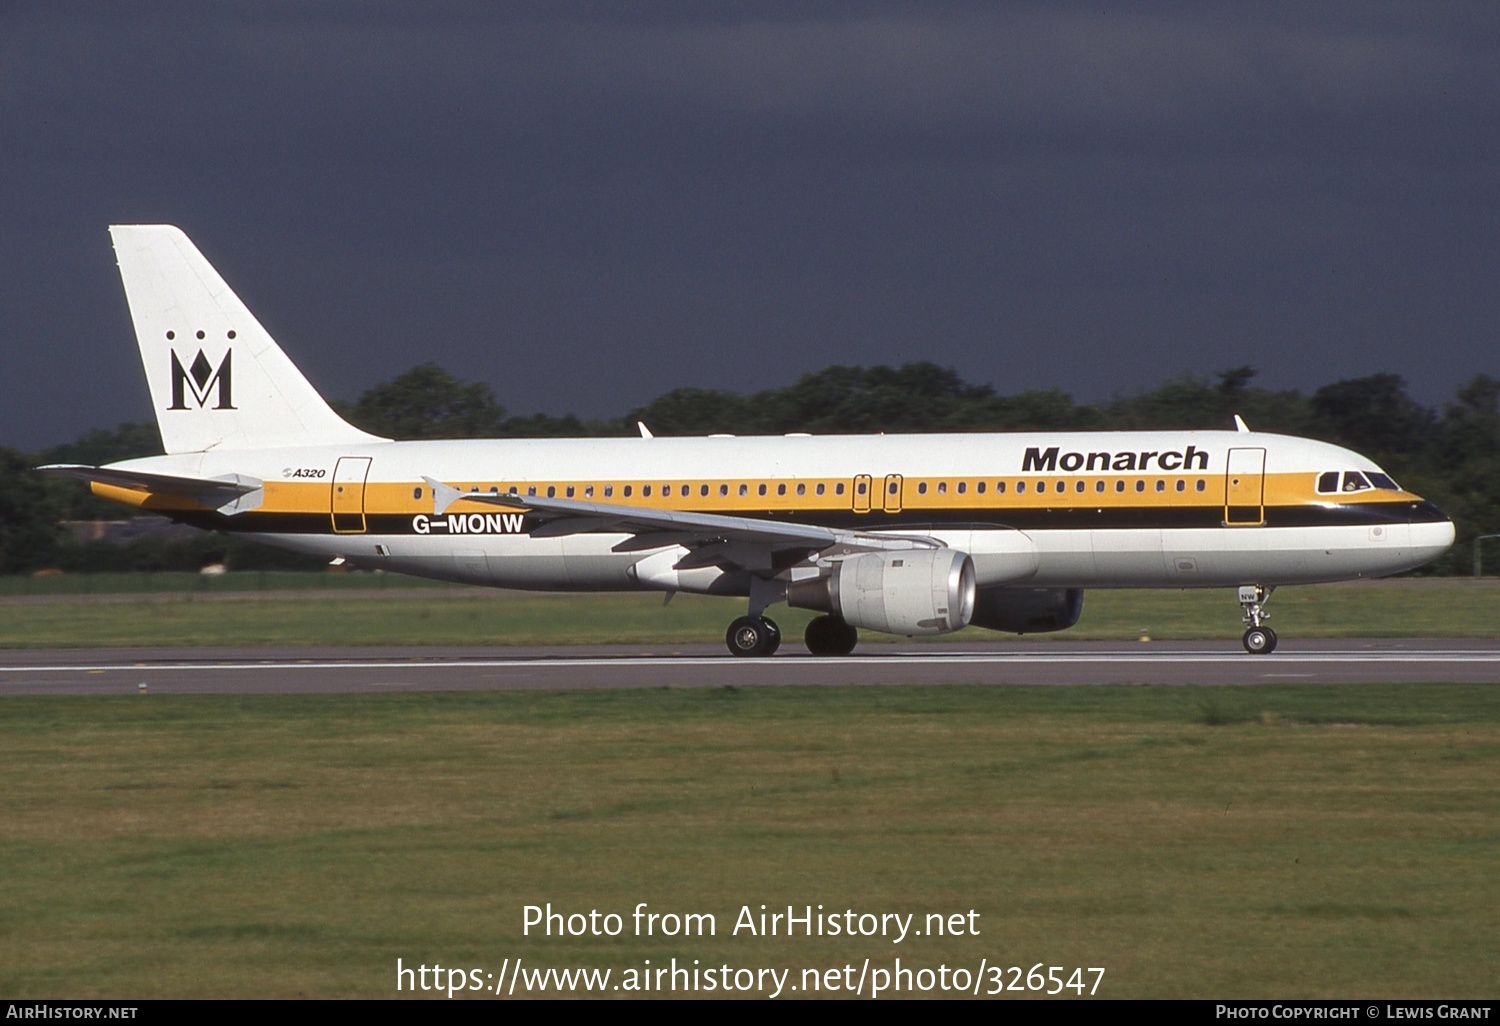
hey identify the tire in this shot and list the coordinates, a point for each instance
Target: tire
(828, 636)
(816, 637)
(1260, 641)
(748, 636)
(845, 638)
(773, 642)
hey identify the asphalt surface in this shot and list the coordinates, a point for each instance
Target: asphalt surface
(323, 669)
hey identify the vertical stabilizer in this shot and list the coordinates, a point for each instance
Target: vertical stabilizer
(218, 380)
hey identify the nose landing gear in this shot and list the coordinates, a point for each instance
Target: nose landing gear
(1258, 639)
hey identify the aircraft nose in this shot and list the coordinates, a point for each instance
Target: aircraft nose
(1432, 530)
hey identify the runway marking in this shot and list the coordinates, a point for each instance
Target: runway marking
(1270, 663)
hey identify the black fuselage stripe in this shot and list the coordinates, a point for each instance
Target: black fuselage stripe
(1060, 519)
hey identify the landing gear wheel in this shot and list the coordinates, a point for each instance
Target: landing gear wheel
(773, 642)
(752, 636)
(1260, 641)
(830, 636)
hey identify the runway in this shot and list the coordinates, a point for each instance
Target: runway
(325, 670)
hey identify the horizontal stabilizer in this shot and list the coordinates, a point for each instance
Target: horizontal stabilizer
(229, 494)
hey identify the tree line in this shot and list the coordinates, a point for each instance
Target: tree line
(1449, 454)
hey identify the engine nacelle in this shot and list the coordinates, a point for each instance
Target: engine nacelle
(916, 591)
(1027, 610)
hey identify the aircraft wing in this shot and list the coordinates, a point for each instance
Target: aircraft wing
(229, 494)
(713, 539)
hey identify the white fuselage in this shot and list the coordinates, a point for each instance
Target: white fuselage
(1084, 510)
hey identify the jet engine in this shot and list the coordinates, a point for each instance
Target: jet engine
(916, 591)
(1027, 610)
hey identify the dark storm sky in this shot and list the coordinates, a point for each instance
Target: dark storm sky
(586, 205)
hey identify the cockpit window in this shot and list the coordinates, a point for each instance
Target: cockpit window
(1354, 481)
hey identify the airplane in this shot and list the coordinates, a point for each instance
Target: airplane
(902, 534)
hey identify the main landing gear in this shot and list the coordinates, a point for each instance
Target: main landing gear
(1258, 639)
(759, 636)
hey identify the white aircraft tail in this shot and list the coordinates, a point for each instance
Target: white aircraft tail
(218, 380)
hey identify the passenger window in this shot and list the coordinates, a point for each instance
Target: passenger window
(1140, 486)
(1020, 487)
(942, 487)
(921, 487)
(588, 491)
(820, 488)
(781, 489)
(609, 491)
(1201, 484)
(979, 487)
(702, 490)
(646, 491)
(744, 489)
(1161, 485)
(551, 491)
(1119, 486)
(801, 488)
(723, 489)
(1078, 487)
(1181, 485)
(961, 487)
(1041, 486)
(626, 492)
(686, 490)
(531, 490)
(838, 489)
(761, 490)
(1000, 487)
(1098, 486)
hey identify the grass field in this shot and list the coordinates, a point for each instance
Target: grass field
(366, 609)
(1230, 842)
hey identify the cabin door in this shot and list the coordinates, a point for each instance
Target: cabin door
(1244, 488)
(347, 500)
